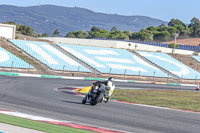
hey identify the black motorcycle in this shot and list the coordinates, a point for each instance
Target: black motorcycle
(98, 94)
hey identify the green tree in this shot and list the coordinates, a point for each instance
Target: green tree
(95, 29)
(162, 27)
(114, 29)
(143, 35)
(195, 27)
(162, 36)
(118, 35)
(77, 34)
(98, 34)
(152, 28)
(173, 22)
(56, 32)
(71, 34)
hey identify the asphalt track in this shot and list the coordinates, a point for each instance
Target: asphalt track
(37, 96)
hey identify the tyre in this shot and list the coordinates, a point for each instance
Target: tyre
(84, 100)
(97, 99)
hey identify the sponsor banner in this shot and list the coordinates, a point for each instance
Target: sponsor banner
(173, 84)
(85, 78)
(9, 74)
(50, 76)
(130, 81)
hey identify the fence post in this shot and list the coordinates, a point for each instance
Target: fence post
(28, 67)
(181, 77)
(63, 69)
(168, 78)
(139, 75)
(95, 72)
(110, 72)
(196, 79)
(78, 71)
(154, 75)
(125, 74)
(11, 66)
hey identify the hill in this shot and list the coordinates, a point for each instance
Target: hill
(47, 18)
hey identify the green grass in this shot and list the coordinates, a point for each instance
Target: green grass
(185, 100)
(45, 127)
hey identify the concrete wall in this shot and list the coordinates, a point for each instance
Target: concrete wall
(7, 31)
(116, 44)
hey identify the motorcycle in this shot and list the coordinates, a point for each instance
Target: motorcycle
(98, 94)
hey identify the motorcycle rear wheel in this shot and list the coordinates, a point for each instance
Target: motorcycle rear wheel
(84, 99)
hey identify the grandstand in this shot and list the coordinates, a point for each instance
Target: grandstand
(170, 64)
(197, 58)
(103, 60)
(9, 60)
(111, 60)
(49, 55)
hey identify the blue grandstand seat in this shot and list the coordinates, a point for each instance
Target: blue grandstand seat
(49, 55)
(9, 60)
(169, 63)
(118, 61)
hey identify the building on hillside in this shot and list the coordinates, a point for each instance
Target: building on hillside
(7, 31)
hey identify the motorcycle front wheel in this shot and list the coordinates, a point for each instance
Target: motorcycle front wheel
(97, 99)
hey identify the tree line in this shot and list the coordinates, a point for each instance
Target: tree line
(152, 33)
(26, 30)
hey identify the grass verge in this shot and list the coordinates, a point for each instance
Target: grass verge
(185, 100)
(45, 127)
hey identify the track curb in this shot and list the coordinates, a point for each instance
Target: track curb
(59, 122)
(87, 78)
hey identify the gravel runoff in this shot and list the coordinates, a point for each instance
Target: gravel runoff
(5, 128)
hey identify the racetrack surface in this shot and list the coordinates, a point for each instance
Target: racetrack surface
(37, 96)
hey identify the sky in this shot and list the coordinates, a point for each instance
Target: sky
(165, 10)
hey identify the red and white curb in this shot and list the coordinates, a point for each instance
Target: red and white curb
(59, 122)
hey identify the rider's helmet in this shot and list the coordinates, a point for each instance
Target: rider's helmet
(111, 79)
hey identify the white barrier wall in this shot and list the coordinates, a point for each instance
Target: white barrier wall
(116, 44)
(7, 31)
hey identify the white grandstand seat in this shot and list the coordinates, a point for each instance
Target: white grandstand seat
(169, 63)
(118, 61)
(9, 60)
(49, 55)
(197, 58)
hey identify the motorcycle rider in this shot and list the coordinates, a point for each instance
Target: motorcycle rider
(108, 83)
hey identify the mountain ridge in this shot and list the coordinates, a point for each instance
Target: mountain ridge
(47, 18)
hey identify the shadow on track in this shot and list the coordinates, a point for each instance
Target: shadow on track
(73, 102)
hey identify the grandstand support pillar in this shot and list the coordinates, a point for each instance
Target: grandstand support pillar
(63, 70)
(125, 74)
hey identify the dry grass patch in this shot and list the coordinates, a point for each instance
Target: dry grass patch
(186, 100)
